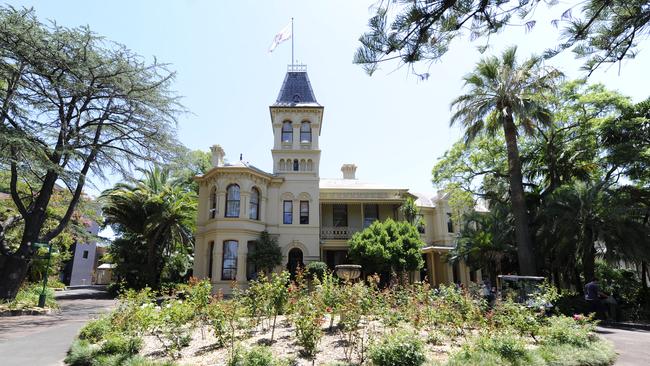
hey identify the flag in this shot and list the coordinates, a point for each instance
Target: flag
(284, 35)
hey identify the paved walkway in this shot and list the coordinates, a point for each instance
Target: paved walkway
(44, 340)
(632, 345)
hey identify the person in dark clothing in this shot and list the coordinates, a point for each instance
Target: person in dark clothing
(594, 298)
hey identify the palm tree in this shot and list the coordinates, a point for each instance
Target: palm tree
(155, 211)
(504, 94)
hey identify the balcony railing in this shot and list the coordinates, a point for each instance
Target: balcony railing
(342, 232)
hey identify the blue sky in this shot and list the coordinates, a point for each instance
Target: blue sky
(392, 125)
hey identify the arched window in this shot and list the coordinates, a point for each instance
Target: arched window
(232, 201)
(305, 132)
(296, 165)
(229, 260)
(287, 132)
(303, 165)
(310, 165)
(254, 205)
(213, 203)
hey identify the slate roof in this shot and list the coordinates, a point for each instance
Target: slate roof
(296, 91)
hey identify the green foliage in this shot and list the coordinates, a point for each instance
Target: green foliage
(495, 349)
(95, 330)
(154, 218)
(28, 295)
(81, 353)
(173, 326)
(257, 356)
(117, 344)
(308, 318)
(401, 348)
(316, 269)
(560, 330)
(267, 254)
(409, 210)
(597, 353)
(389, 245)
(61, 125)
(421, 31)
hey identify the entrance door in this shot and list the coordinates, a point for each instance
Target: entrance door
(295, 261)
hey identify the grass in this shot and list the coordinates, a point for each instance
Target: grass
(28, 295)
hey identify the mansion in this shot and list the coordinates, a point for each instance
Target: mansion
(311, 217)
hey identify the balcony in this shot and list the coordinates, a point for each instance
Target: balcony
(338, 233)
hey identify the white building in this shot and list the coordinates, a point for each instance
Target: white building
(311, 217)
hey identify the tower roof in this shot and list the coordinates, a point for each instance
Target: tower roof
(296, 89)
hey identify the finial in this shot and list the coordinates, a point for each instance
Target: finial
(241, 157)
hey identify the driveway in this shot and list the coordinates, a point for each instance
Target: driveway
(44, 340)
(632, 345)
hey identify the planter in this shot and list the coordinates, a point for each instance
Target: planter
(348, 272)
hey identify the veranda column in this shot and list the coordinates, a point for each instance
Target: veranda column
(242, 252)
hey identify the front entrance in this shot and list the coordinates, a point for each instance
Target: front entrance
(294, 262)
(335, 257)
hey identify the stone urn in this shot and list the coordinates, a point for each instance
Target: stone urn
(348, 272)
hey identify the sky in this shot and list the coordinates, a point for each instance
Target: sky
(392, 125)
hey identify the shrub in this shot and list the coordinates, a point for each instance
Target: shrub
(118, 344)
(597, 353)
(95, 330)
(81, 353)
(142, 361)
(27, 297)
(398, 349)
(496, 349)
(257, 356)
(316, 269)
(561, 330)
(173, 326)
(308, 319)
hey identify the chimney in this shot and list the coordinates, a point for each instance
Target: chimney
(349, 171)
(217, 155)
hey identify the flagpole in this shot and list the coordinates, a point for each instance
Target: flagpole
(292, 42)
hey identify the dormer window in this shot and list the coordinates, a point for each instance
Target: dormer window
(305, 132)
(287, 132)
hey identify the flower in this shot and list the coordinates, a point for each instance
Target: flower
(328, 309)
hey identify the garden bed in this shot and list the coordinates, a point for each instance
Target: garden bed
(277, 322)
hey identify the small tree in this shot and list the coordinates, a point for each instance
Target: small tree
(267, 254)
(387, 246)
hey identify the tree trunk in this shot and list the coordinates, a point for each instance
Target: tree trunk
(644, 275)
(12, 275)
(588, 255)
(518, 200)
(15, 267)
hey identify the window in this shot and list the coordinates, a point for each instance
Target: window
(213, 203)
(450, 224)
(85, 255)
(296, 165)
(287, 210)
(370, 214)
(287, 132)
(254, 204)
(304, 212)
(211, 261)
(232, 201)
(251, 269)
(229, 267)
(340, 215)
(305, 132)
